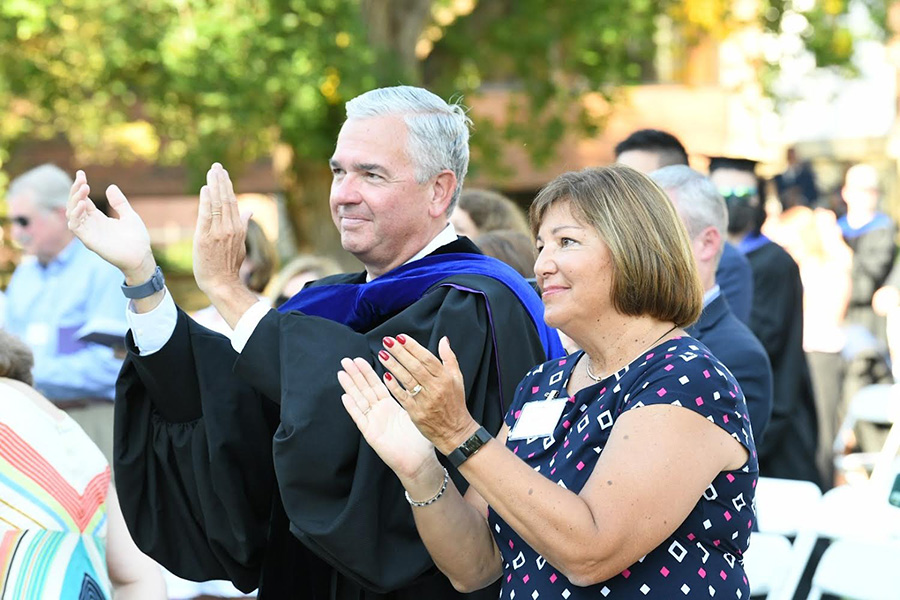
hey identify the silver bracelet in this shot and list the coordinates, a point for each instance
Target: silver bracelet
(434, 498)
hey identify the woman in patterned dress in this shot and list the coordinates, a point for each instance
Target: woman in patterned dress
(62, 534)
(625, 470)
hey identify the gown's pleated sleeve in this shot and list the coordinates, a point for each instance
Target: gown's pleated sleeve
(193, 458)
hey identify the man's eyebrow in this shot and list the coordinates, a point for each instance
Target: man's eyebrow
(369, 167)
(375, 167)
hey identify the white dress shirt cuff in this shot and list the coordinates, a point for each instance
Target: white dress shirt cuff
(152, 330)
(246, 325)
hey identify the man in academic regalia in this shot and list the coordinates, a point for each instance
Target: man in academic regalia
(650, 149)
(870, 234)
(236, 460)
(788, 449)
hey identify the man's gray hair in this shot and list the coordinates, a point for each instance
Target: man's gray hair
(48, 186)
(699, 202)
(438, 132)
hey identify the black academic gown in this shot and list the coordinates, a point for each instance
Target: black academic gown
(734, 344)
(788, 449)
(873, 258)
(247, 467)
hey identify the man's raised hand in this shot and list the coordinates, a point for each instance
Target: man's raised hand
(123, 242)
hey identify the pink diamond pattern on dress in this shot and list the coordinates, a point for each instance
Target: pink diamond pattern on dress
(553, 578)
(668, 367)
(701, 572)
(664, 571)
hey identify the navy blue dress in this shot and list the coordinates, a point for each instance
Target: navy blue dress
(703, 557)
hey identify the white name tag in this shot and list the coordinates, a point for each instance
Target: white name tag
(538, 419)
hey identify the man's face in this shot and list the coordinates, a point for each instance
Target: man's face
(383, 215)
(40, 231)
(645, 161)
(739, 188)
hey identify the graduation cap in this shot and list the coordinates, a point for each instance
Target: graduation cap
(728, 162)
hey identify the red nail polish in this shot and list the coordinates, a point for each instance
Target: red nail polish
(388, 342)
(383, 355)
(401, 338)
(388, 376)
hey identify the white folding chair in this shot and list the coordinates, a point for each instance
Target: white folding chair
(767, 562)
(877, 403)
(788, 508)
(858, 570)
(858, 512)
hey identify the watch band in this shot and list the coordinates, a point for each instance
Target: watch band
(469, 447)
(148, 288)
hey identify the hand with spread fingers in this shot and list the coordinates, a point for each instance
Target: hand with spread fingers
(384, 423)
(219, 246)
(430, 389)
(123, 242)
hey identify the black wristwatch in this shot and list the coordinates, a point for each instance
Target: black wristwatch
(148, 288)
(469, 447)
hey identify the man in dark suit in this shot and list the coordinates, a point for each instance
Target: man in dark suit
(650, 149)
(776, 319)
(703, 212)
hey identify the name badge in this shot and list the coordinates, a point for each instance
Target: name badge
(538, 419)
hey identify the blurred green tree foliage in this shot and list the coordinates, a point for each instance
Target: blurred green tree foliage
(194, 81)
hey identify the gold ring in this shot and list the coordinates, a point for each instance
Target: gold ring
(415, 390)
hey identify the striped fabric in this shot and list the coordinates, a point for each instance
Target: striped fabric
(53, 486)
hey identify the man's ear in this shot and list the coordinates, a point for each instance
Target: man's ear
(442, 189)
(710, 243)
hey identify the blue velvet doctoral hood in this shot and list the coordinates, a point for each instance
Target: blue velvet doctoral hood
(361, 306)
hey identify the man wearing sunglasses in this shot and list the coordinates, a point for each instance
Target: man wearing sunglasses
(58, 289)
(788, 449)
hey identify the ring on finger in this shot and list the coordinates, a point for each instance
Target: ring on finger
(367, 411)
(216, 213)
(415, 390)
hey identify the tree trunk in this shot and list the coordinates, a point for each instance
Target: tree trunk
(395, 26)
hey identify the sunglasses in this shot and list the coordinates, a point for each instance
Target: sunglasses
(743, 191)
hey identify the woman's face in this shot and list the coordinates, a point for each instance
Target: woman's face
(464, 224)
(574, 270)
